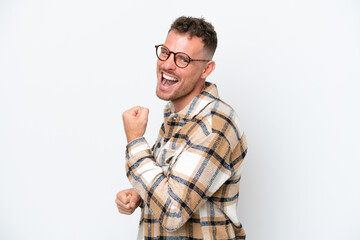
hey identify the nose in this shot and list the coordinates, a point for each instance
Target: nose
(169, 64)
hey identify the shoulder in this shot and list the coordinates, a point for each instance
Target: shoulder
(222, 119)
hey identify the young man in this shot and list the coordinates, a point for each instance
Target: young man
(187, 184)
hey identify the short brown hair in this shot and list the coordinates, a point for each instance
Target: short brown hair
(197, 27)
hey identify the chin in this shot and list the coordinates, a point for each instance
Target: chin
(161, 96)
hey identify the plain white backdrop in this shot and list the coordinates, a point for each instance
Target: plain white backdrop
(68, 69)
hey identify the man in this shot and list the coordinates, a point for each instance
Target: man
(187, 184)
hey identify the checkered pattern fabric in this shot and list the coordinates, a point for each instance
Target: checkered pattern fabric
(189, 180)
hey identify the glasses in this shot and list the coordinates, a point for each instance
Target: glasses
(182, 60)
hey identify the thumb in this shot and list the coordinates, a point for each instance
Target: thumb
(134, 200)
(137, 110)
(145, 111)
(123, 196)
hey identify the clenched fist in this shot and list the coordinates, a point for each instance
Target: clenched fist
(127, 201)
(135, 121)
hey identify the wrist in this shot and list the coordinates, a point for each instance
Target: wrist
(132, 138)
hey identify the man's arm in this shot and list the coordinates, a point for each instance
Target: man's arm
(135, 122)
(198, 172)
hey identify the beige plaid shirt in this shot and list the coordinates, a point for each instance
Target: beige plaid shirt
(189, 180)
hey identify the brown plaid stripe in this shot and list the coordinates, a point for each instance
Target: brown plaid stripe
(189, 180)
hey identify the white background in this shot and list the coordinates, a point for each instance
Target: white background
(69, 68)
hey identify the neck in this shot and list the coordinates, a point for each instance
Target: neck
(181, 103)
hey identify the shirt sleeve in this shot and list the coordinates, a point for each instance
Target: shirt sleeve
(193, 176)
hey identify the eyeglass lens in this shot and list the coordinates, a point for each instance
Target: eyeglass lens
(181, 59)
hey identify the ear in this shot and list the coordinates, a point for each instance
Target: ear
(209, 67)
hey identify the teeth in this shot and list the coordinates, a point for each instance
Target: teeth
(168, 78)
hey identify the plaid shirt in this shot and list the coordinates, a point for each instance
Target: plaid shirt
(189, 180)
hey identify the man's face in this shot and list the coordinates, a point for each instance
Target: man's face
(181, 85)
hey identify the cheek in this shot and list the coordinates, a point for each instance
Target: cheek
(158, 67)
(191, 75)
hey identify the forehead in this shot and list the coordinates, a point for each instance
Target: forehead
(183, 42)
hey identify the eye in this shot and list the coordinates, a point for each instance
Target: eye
(164, 51)
(182, 58)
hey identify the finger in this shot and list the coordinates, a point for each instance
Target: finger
(123, 196)
(125, 211)
(121, 203)
(132, 112)
(122, 206)
(128, 212)
(137, 110)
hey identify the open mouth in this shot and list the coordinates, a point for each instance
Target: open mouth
(168, 80)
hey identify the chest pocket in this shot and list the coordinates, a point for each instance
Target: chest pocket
(168, 155)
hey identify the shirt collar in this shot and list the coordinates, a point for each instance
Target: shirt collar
(208, 95)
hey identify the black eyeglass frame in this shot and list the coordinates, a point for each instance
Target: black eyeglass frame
(171, 52)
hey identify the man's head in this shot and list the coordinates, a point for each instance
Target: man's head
(197, 39)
